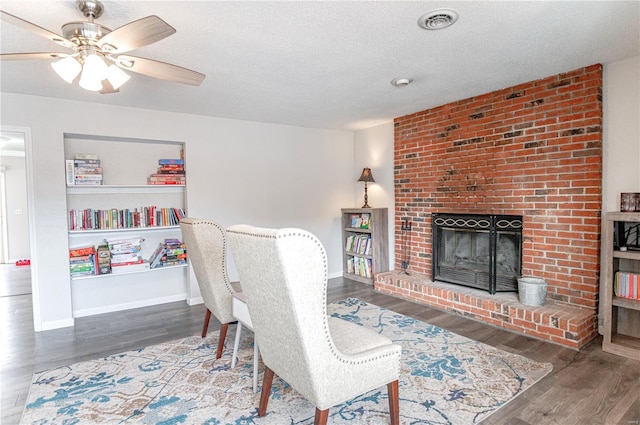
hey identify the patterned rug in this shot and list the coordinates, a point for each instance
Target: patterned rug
(445, 379)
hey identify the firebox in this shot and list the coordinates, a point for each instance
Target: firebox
(479, 251)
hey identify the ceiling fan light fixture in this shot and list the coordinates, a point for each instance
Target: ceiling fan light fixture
(116, 76)
(67, 68)
(93, 72)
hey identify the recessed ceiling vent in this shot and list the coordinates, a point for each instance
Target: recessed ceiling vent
(438, 19)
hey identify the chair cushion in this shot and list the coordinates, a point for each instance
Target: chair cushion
(351, 338)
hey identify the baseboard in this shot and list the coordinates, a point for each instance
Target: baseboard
(56, 324)
(128, 306)
(334, 275)
(195, 301)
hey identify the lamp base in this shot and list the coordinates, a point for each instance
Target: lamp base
(365, 206)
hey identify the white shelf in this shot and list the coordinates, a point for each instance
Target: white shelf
(125, 189)
(73, 233)
(127, 163)
(100, 276)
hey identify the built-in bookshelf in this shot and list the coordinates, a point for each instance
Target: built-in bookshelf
(365, 241)
(128, 203)
(620, 267)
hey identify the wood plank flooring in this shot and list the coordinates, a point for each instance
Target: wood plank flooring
(586, 387)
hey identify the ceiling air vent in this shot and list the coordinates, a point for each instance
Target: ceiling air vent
(438, 19)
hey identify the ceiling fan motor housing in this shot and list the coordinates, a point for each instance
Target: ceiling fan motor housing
(90, 9)
(84, 33)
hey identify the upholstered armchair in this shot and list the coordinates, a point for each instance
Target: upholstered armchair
(327, 360)
(206, 243)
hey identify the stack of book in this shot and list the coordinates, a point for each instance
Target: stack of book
(359, 266)
(126, 255)
(172, 252)
(152, 216)
(84, 170)
(82, 261)
(360, 244)
(627, 285)
(170, 171)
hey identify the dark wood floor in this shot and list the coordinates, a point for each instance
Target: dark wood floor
(586, 387)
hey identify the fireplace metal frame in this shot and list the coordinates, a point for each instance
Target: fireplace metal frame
(493, 224)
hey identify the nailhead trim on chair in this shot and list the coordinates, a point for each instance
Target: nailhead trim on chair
(227, 283)
(326, 323)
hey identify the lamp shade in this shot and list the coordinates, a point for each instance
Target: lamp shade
(116, 76)
(366, 176)
(67, 68)
(93, 72)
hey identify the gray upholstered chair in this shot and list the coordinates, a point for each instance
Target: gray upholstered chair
(206, 243)
(327, 360)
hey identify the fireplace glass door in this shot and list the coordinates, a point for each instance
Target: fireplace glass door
(479, 251)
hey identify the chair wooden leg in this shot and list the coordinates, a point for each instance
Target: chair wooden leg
(321, 417)
(207, 316)
(223, 336)
(394, 402)
(267, 380)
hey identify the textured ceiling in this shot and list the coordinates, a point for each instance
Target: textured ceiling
(329, 64)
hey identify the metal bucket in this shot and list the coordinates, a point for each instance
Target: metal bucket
(532, 291)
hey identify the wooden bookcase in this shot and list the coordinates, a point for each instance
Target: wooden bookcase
(620, 316)
(362, 265)
(126, 165)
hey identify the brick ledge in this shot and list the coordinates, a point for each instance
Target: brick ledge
(572, 327)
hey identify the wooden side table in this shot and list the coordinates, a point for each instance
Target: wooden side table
(241, 313)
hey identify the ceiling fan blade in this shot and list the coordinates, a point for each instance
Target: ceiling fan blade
(135, 35)
(31, 56)
(160, 70)
(7, 17)
(107, 88)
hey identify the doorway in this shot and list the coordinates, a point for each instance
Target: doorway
(16, 215)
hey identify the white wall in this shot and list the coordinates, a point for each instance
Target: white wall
(621, 133)
(238, 172)
(374, 149)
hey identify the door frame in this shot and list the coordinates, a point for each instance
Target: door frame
(28, 159)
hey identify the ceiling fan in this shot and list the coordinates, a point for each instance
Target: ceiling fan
(97, 51)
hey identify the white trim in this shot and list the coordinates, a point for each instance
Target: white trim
(127, 306)
(336, 274)
(56, 324)
(195, 301)
(4, 258)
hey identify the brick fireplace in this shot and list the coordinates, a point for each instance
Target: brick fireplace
(533, 150)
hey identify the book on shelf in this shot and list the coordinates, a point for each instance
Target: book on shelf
(82, 261)
(80, 251)
(78, 177)
(86, 162)
(152, 216)
(627, 285)
(104, 259)
(86, 156)
(171, 252)
(128, 268)
(171, 161)
(360, 221)
(84, 169)
(166, 183)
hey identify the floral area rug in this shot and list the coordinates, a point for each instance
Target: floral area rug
(444, 379)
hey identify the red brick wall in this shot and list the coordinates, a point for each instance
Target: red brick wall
(533, 150)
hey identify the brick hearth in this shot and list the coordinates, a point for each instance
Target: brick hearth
(532, 150)
(568, 326)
